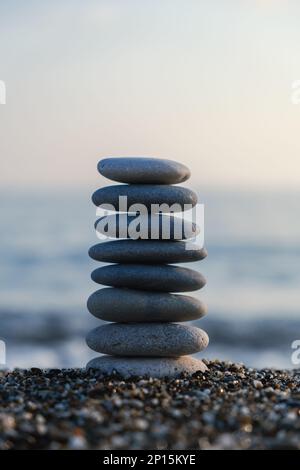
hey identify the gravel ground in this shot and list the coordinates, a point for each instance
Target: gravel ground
(229, 407)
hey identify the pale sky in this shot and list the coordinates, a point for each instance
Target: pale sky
(205, 82)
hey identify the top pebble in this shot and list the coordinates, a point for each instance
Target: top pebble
(143, 170)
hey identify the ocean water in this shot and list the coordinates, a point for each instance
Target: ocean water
(252, 271)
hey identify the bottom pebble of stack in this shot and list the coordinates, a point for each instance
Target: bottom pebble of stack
(157, 367)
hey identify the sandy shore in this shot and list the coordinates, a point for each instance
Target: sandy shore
(229, 407)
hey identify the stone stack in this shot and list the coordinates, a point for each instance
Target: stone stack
(146, 336)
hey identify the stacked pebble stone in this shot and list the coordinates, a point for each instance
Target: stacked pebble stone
(146, 336)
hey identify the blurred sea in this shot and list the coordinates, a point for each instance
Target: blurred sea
(253, 274)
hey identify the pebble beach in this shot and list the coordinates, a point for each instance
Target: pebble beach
(228, 407)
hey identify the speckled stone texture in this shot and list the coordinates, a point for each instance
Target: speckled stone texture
(147, 367)
(130, 305)
(141, 301)
(143, 170)
(147, 252)
(150, 339)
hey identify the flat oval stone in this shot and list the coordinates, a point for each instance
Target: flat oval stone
(176, 198)
(147, 339)
(143, 170)
(127, 305)
(163, 278)
(156, 367)
(151, 251)
(155, 227)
